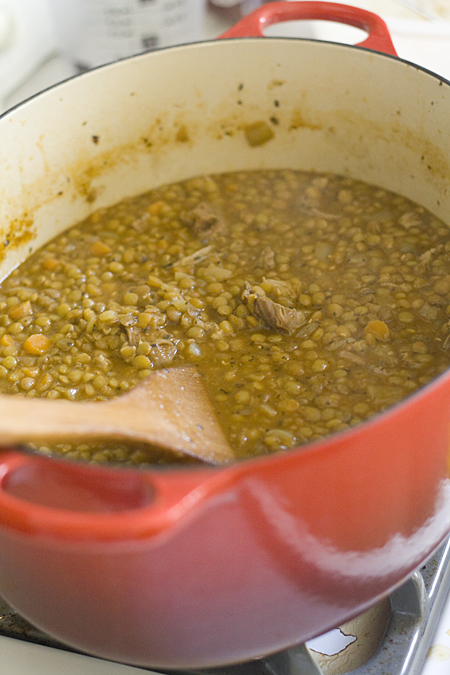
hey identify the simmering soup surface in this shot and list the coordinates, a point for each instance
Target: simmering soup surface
(309, 303)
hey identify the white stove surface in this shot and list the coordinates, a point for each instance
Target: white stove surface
(24, 658)
(426, 42)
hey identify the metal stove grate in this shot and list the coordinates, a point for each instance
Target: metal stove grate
(416, 608)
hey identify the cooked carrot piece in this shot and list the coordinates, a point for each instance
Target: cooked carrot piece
(19, 311)
(156, 208)
(37, 344)
(378, 329)
(6, 341)
(99, 248)
(96, 217)
(51, 264)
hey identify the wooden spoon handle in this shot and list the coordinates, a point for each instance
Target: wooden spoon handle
(23, 420)
(169, 409)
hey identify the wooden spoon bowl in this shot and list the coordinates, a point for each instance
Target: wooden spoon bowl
(169, 409)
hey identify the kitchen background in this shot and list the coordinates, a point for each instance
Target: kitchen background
(45, 41)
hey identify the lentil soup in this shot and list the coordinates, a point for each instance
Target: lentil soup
(309, 302)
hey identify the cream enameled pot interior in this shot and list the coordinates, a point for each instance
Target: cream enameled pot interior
(165, 116)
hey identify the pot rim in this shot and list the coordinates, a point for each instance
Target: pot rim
(212, 42)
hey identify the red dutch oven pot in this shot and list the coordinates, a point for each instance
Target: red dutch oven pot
(196, 567)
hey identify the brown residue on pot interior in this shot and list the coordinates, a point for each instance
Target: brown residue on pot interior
(162, 132)
(19, 232)
(83, 183)
(276, 83)
(182, 134)
(299, 121)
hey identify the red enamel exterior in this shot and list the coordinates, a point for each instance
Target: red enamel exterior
(253, 25)
(185, 568)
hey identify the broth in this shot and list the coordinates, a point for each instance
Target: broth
(309, 302)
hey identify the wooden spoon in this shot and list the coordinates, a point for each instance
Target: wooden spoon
(169, 409)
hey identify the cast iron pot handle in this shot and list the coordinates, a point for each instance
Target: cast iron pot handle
(68, 501)
(253, 24)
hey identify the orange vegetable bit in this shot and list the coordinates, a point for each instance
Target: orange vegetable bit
(96, 216)
(157, 207)
(100, 249)
(37, 344)
(6, 341)
(378, 329)
(19, 311)
(51, 264)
